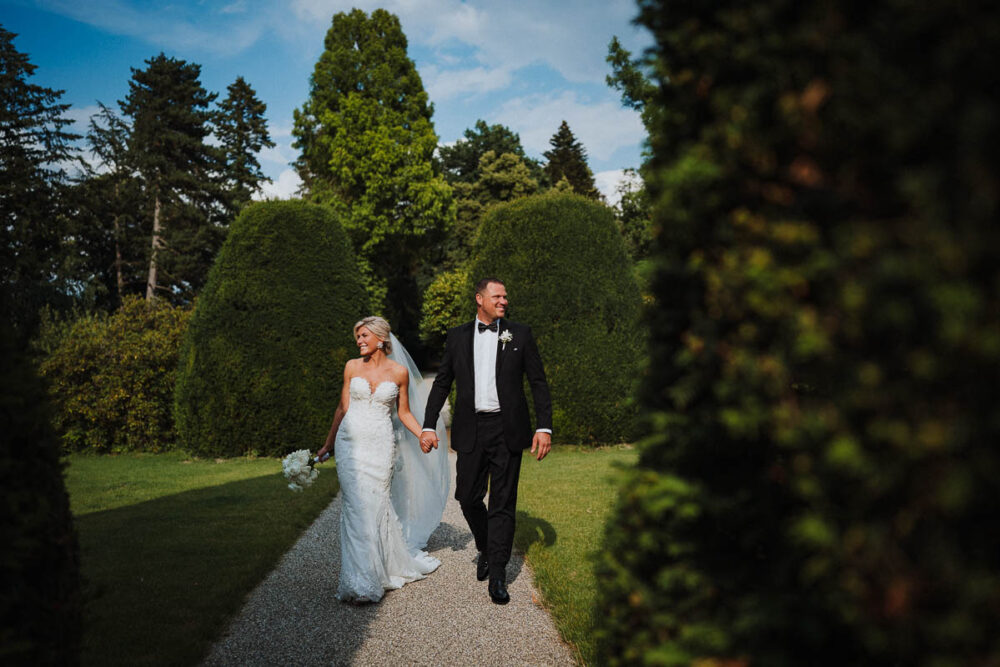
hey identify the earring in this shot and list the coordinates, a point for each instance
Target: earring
(380, 345)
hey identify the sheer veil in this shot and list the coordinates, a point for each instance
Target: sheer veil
(420, 481)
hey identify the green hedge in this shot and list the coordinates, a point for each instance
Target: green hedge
(568, 277)
(40, 604)
(262, 363)
(819, 482)
(111, 378)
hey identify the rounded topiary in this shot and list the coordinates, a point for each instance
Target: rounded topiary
(40, 601)
(262, 363)
(569, 278)
(111, 378)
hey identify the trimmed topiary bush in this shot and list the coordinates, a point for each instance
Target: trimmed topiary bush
(40, 604)
(448, 301)
(111, 378)
(819, 482)
(262, 363)
(568, 277)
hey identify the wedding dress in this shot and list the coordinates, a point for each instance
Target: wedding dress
(392, 495)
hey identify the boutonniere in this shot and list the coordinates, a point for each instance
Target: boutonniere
(505, 338)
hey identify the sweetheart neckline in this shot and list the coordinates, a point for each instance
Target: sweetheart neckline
(371, 391)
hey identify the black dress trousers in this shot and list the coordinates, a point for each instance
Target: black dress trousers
(489, 463)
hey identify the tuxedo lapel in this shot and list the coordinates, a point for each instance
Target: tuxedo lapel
(500, 348)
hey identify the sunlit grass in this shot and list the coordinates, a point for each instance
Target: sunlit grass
(170, 547)
(563, 503)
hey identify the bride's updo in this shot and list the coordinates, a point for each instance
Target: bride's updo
(378, 326)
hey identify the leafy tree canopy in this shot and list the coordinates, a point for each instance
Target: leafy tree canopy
(460, 162)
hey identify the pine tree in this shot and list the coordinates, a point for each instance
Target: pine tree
(108, 213)
(568, 159)
(367, 145)
(242, 130)
(33, 151)
(170, 118)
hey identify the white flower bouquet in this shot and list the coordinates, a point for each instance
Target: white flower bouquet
(299, 469)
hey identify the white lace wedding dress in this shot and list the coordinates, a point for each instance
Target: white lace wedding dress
(375, 556)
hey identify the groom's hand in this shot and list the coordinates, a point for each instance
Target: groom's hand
(428, 440)
(541, 444)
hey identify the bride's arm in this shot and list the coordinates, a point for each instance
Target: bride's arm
(403, 405)
(338, 416)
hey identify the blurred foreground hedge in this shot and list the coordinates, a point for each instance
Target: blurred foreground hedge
(819, 478)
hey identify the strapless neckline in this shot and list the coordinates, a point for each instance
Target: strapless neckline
(372, 390)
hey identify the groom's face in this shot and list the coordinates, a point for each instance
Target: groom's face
(492, 302)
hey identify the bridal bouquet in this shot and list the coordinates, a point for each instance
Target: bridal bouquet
(299, 470)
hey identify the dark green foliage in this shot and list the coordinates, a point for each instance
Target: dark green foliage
(40, 601)
(568, 159)
(34, 148)
(262, 363)
(634, 215)
(819, 480)
(179, 173)
(460, 161)
(111, 378)
(367, 146)
(569, 279)
(241, 128)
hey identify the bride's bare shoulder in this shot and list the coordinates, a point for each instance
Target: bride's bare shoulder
(398, 371)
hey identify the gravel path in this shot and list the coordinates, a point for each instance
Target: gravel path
(292, 617)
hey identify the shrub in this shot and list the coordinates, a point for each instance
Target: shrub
(819, 480)
(448, 302)
(39, 573)
(262, 363)
(569, 278)
(112, 378)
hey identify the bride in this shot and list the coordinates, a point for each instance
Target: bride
(392, 494)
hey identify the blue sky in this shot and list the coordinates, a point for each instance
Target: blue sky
(526, 64)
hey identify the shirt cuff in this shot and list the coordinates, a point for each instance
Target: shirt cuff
(543, 430)
(429, 430)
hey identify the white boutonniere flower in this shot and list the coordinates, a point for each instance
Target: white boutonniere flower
(505, 338)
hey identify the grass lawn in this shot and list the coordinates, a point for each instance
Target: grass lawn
(171, 546)
(563, 503)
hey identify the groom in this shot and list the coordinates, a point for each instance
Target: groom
(490, 424)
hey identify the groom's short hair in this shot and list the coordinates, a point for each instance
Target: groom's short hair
(481, 285)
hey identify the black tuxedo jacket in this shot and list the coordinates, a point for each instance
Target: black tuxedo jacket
(515, 361)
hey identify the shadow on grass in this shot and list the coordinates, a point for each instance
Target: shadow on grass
(164, 576)
(529, 530)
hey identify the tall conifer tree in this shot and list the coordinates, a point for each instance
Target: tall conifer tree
(33, 151)
(367, 144)
(170, 118)
(242, 132)
(568, 159)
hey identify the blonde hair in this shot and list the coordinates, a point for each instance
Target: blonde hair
(378, 326)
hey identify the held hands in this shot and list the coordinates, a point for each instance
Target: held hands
(428, 441)
(541, 444)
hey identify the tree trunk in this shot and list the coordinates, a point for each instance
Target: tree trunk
(157, 243)
(118, 254)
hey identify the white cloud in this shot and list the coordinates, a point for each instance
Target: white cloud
(286, 186)
(607, 183)
(602, 127)
(451, 83)
(571, 38)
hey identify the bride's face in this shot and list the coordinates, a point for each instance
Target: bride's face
(366, 340)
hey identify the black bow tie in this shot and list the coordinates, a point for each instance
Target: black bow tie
(483, 327)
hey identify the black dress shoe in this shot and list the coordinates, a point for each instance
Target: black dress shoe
(498, 591)
(482, 568)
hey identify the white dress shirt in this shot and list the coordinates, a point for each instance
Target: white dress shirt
(484, 358)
